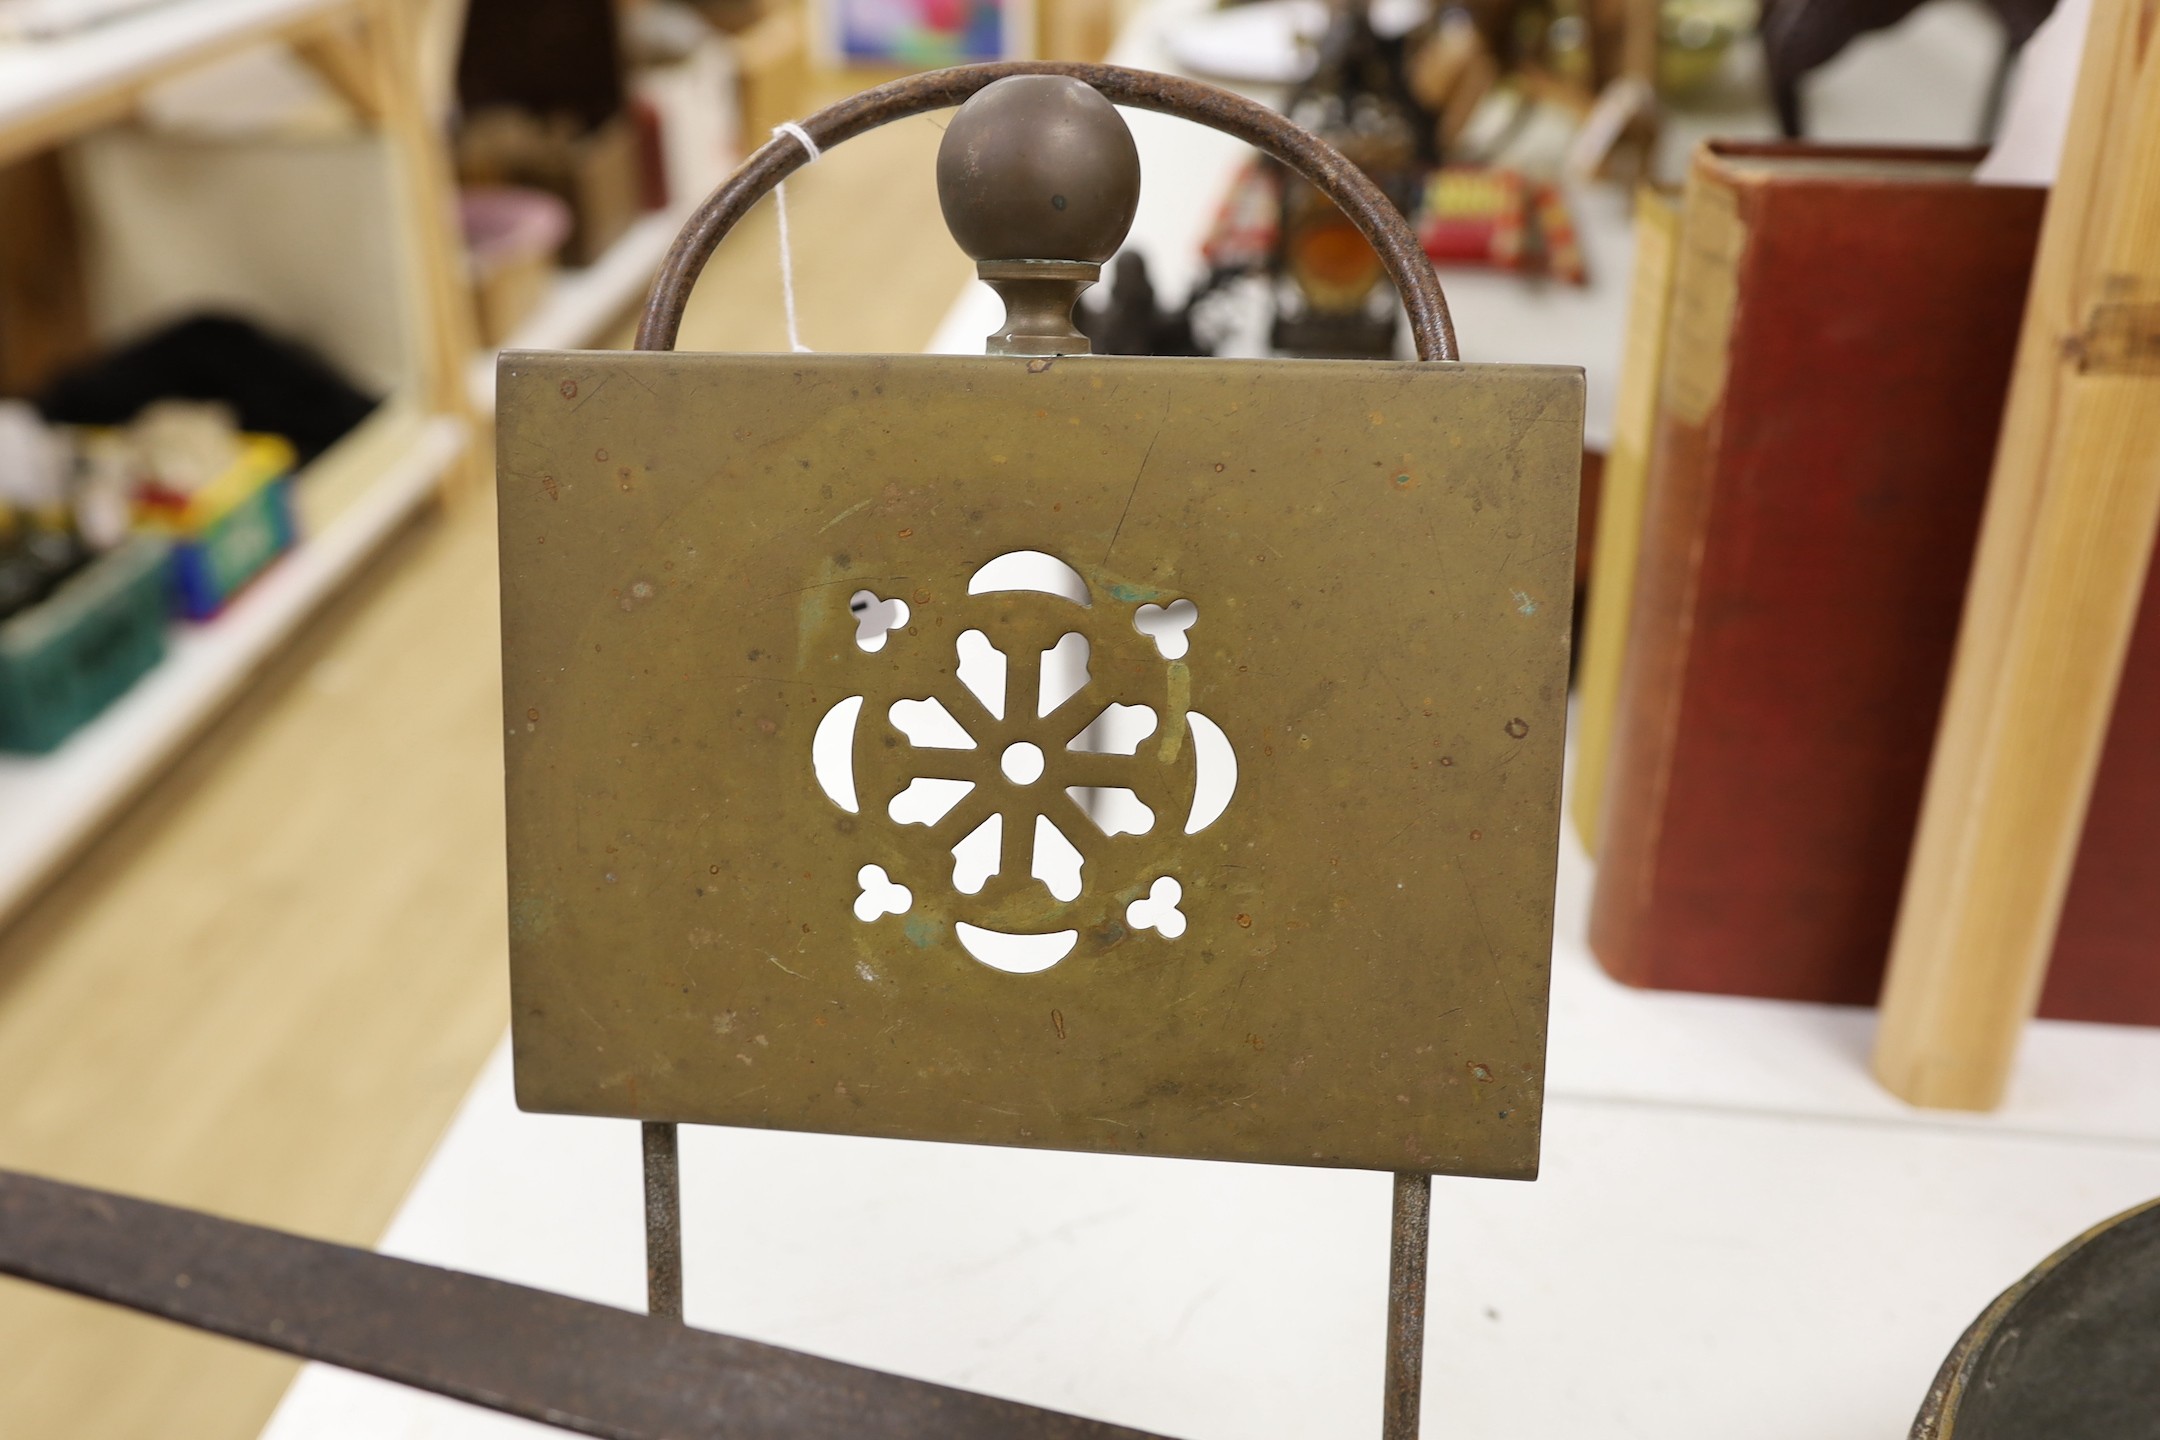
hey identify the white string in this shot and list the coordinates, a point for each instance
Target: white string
(787, 258)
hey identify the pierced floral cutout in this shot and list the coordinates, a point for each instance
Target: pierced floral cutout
(928, 725)
(1117, 731)
(1035, 787)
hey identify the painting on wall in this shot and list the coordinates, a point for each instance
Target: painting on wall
(925, 34)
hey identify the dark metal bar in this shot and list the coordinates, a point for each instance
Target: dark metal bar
(568, 1363)
(1406, 1307)
(663, 1222)
(1342, 182)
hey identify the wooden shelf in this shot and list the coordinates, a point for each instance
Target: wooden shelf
(585, 301)
(52, 89)
(350, 501)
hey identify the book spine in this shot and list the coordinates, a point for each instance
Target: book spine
(1620, 506)
(1651, 694)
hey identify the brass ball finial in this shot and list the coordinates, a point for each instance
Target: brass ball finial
(1038, 178)
(1038, 167)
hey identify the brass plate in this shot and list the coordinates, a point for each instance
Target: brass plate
(1381, 559)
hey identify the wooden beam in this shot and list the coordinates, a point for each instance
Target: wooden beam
(2056, 583)
(441, 307)
(343, 63)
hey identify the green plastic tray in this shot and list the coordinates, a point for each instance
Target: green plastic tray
(66, 658)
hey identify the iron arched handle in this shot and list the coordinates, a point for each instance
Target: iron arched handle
(1318, 162)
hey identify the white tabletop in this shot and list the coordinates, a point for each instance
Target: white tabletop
(1737, 1233)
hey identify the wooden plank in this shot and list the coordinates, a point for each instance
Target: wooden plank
(341, 61)
(2056, 582)
(441, 290)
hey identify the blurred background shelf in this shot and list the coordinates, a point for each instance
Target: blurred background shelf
(583, 304)
(52, 89)
(351, 501)
(232, 219)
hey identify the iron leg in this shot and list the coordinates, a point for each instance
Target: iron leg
(1406, 1307)
(663, 1222)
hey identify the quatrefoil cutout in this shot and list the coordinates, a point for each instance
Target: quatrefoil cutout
(1018, 813)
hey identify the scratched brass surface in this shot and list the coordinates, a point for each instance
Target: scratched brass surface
(1381, 559)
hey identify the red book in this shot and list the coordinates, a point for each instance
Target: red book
(2107, 950)
(1837, 357)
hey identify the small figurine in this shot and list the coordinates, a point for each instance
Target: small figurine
(1337, 303)
(1128, 321)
